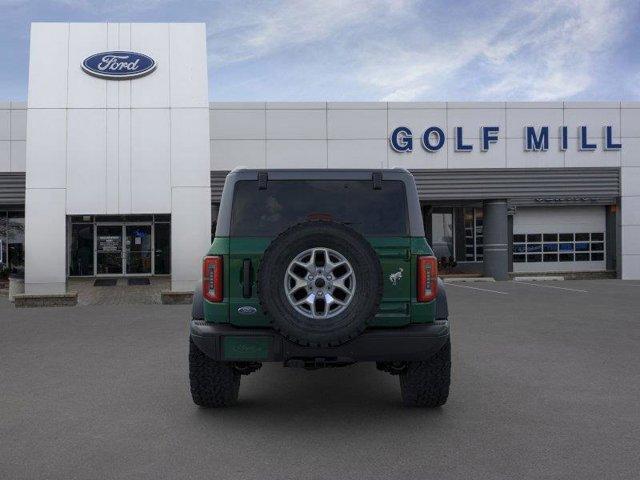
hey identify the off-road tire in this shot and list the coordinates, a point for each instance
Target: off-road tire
(213, 384)
(426, 383)
(342, 327)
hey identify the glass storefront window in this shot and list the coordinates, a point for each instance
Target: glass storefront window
(442, 235)
(4, 267)
(15, 242)
(109, 249)
(163, 249)
(133, 245)
(138, 245)
(455, 235)
(473, 238)
(214, 219)
(81, 252)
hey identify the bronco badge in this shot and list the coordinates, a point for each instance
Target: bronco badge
(394, 277)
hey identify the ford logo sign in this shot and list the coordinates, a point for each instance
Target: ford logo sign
(247, 310)
(118, 65)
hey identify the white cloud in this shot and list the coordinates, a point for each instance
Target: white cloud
(407, 50)
(569, 50)
(102, 7)
(263, 28)
(401, 49)
(546, 51)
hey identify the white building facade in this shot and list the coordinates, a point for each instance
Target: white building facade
(121, 176)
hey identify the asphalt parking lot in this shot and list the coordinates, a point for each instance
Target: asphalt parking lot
(546, 385)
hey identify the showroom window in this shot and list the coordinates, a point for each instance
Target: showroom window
(456, 235)
(558, 247)
(473, 226)
(215, 208)
(11, 242)
(120, 245)
(4, 268)
(442, 234)
(81, 249)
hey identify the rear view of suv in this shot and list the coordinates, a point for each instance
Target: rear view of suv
(315, 268)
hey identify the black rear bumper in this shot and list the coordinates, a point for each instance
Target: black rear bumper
(228, 343)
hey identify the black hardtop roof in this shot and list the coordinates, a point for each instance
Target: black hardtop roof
(320, 173)
(239, 174)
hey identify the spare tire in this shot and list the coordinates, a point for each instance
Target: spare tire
(320, 282)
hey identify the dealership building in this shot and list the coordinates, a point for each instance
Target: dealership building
(114, 165)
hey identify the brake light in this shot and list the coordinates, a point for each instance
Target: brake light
(427, 278)
(212, 279)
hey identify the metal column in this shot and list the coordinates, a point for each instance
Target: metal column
(495, 233)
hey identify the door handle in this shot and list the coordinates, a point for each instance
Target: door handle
(246, 278)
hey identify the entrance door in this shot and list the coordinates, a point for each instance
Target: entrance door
(109, 250)
(139, 249)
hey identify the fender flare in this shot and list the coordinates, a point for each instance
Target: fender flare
(442, 309)
(197, 307)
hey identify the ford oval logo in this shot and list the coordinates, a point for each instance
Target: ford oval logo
(247, 310)
(118, 65)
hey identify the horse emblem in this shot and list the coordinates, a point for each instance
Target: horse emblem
(395, 277)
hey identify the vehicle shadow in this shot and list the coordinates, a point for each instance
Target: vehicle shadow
(359, 396)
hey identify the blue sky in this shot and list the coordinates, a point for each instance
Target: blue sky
(378, 49)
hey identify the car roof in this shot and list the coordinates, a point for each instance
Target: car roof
(266, 175)
(318, 173)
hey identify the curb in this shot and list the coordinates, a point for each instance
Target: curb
(470, 280)
(170, 297)
(539, 278)
(23, 300)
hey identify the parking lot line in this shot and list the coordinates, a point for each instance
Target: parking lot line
(475, 288)
(551, 286)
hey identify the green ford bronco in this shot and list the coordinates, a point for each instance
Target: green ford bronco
(318, 268)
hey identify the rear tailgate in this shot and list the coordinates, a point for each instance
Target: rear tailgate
(395, 258)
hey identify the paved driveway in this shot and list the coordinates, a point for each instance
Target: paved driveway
(546, 384)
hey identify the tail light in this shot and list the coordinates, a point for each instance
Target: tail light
(212, 288)
(427, 278)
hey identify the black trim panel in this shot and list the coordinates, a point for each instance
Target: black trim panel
(411, 343)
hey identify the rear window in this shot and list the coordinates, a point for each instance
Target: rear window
(283, 203)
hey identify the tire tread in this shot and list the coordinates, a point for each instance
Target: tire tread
(426, 383)
(344, 336)
(213, 384)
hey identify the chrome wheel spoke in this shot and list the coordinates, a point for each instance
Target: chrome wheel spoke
(299, 282)
(297, 277)
(346, 274)
(331, 300)
(320, 292)
(340, 283)
(307, 266)
(309, 300)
